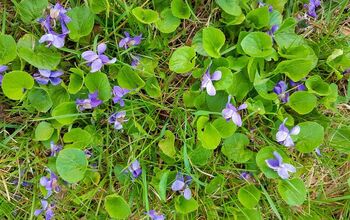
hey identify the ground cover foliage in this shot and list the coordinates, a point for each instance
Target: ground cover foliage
(174, 109)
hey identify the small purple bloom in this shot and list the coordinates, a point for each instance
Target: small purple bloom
(280, 89)
(135, 169)
(89, 103)
(118, 119)
(58, 12)
(311, 7)
(347, 71)
(46, 76)
(54, 39)
(281, 168)
(283, 135)
(128, 41)
(231, 112)
(246, 176)
(181, 184)
(207, 81)
(55, 148)
(50, 184)
(118, 94)
(47, 208)
(273, 30)
(318, 152)
(298, 85)
(2, 69)
(155, 215)
(135, 61)
(97, 60)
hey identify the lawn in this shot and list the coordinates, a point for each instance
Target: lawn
(174, 109)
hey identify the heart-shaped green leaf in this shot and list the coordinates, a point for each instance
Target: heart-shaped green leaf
(146, 16)
(65, 113)
(117, 207)
(43, 131)
(180, 9)
(257, 44)
(71, 164)
(7, 49)
(167, 22)
(82, 22)
(249, 196)
(311, 136)
(182, 60)
(15, 83)
(39, 99)
(213, 40)
(302, 102)
(293, 191)
(78, 137)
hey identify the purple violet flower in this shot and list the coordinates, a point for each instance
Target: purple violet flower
(135, 169)
(2, 69)
(97, 60)
(58, 12)
(246, 176)
(318, 151)
(118, 119)
(281, 168)
(347, 71)
(47, 208)
(311, 7)
(181, 184)
(89, 103)
(46, 76)
(55, 149)
(273, 30)
(280, 89)
(231, 112)
(298, 85)
(135, 61)
(118, 94)
(128, 41)
(155, 215)
(207, 81)
(54, 39)
(283, 135)
(50, 184)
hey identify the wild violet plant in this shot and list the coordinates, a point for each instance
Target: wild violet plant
(248, 52)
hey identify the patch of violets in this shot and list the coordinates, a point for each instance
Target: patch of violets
(135, 169)
(154, 215)
(312, 6)
(97, 60)
(181, 184)
(43, 77)
(56, 14)
(282, 169)
(129, 41)
(283, 136)
(90, 103)
(207, 81)
(3, 68)
(230, 112)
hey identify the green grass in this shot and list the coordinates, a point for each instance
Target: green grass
(24, 159)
